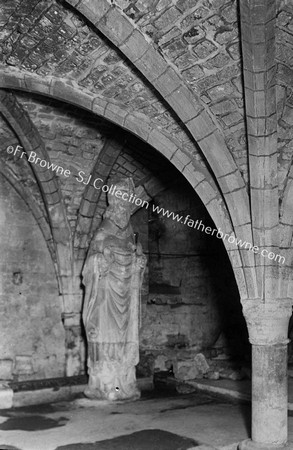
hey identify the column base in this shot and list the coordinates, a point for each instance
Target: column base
(250, 445)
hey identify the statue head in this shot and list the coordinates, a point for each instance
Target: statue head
(119, 209)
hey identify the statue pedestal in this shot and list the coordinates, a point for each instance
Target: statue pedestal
(112, 381)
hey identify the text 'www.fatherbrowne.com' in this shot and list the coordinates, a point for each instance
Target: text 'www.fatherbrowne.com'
(99, 184)
(198, 225)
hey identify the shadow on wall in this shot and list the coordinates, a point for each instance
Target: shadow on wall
(32, 338)
(193, 301)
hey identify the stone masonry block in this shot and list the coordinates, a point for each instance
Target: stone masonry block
(261, 126)
(115, 26)
(151, 64)
(137, 124)
(160, 142)
(49, 187)
(68, 93)
(223, 107)
(262, 145)
(237, 202)
(231, 119)
(135, 46)
(186, 370)
(6, 396)
(234, 257)
(256, 103)
(32, 141)
(98, 106)
(220, 91)
(23, 365)
(180, 160)
(267, 167)
(57, 214)
(64, 258)
(186, 105)
(219, 214)
(255, 35)
(185, 158)
(168, 18)
(168, 82)
(217, 154)
(206, 192)
(47, 175)
(93, 10)
(265, 206)
(193, 73)
(71, 320)
(241, 282)
(12, 81)
(201, 363)
(73, 2)
(232, 182)
(87, 209)
(247, 257)
(285, 75)
(160, 363)
(6, 369)
(34, 83)
(201, 126)
(194, 176)
(115, 113)
(288, 115)
(253, 284)
(178, 163)
(244, 232)
(263, 12)
(72, 303)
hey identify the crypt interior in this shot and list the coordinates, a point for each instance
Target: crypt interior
(192, 100)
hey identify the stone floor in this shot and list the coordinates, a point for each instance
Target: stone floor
(156, 422)
(239, 390)
(152, 423)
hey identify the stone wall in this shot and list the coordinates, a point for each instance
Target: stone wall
(192, 298)
(32, 337)
(189, 296)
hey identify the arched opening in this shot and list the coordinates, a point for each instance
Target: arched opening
(190, 299)
(192, 325)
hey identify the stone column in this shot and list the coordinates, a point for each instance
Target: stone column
(268, 328)
(74, 345)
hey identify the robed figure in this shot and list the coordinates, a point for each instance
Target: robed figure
(112, 277)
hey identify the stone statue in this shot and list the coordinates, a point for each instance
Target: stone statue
(112, 277)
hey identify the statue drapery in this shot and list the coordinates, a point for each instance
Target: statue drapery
(112, 276)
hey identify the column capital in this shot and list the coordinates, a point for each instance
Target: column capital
(267, 322)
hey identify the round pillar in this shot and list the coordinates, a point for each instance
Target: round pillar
(268, 328)
(269, 394)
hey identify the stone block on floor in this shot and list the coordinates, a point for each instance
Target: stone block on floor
(186, 370)
(212, 375)
(6, 369)
(6, 396)
(232, 374)
(190, 368)
(160, 363)
(201, 363)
